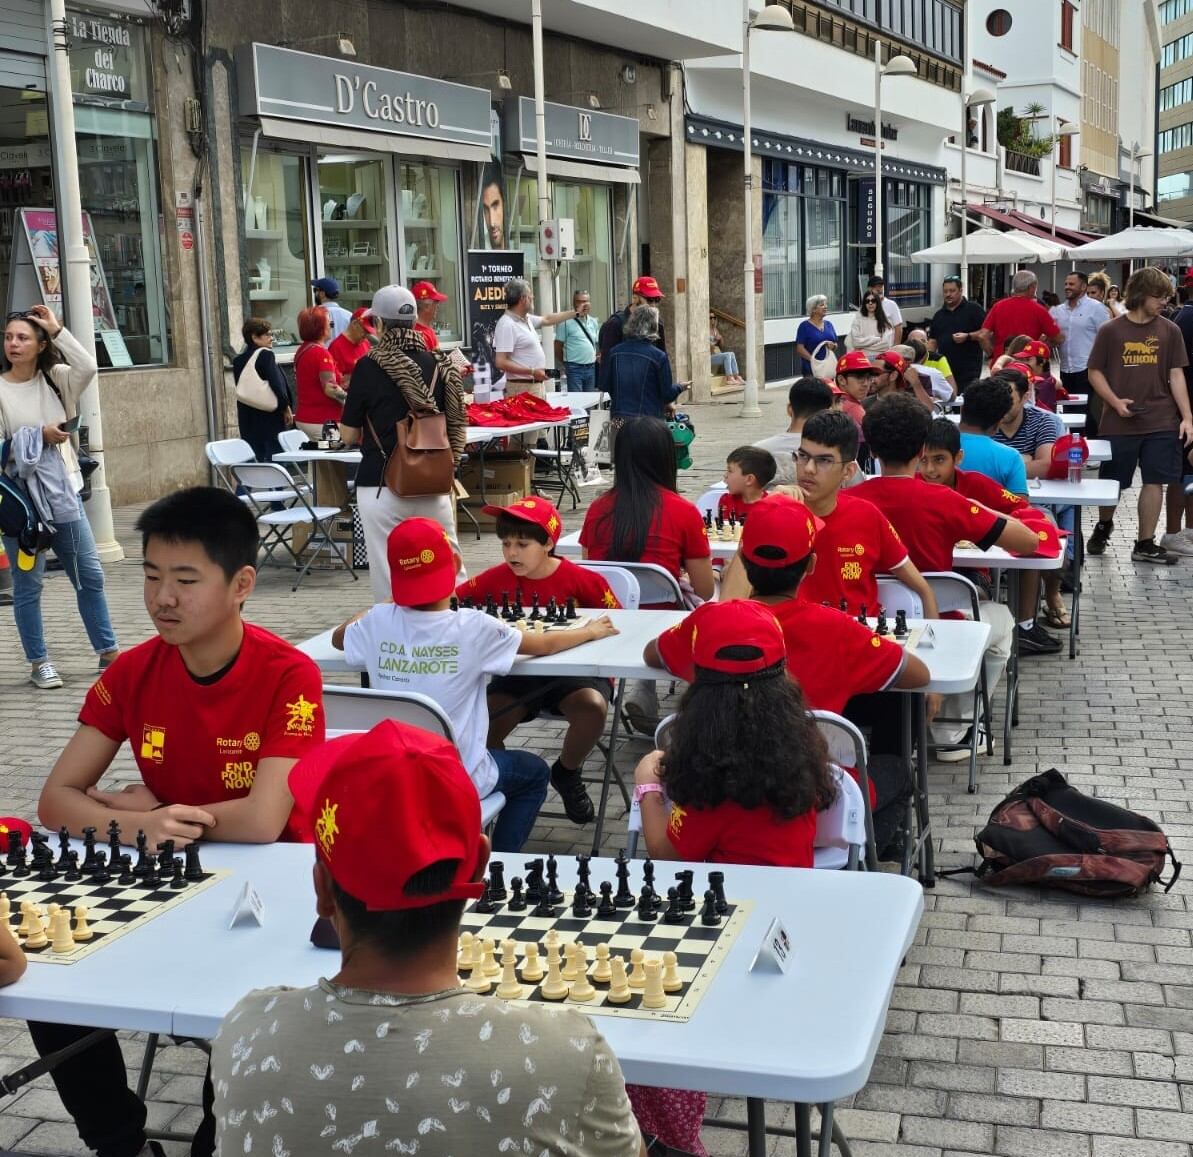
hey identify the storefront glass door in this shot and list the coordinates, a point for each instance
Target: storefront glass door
(430, 222)
(354, 212)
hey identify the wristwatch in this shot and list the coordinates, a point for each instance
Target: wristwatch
(645, 789)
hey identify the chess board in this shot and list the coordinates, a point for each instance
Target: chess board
(112, 909)
(531, 627)
(910, 641)
(700, 951)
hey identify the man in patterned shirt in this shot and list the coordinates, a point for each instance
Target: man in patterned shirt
(391, 1050)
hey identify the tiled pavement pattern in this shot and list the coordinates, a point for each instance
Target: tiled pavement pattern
(1023, 1025)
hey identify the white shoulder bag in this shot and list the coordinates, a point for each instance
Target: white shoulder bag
(253, 390)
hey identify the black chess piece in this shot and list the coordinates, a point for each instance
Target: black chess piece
(646, 904)
(534, 881)
(485, 904)
(535, 613)
(741, 518)
(46, 872)
(20, 865)
(150, 878)
(720, 525)
(497, 880)
(544, 909)
(684, 893)
(583, 872)
(674, 913)
(126, 876)
(517, 902)
(41, 858)
(63, 848)
(708, 913)
(708, 520)
(88, 849)
(624, 897)
(73, 871)
(606, 909)
(15, 849)
(570, 612)
(901, 631)
(883, 628)
(648, 881)
(453, 603)
(732, 520)
(581, 909)
(716, 881)
(165, 858)
(469, 605)
(490, 606)
(177, 880)
(554, 895)
(99, 872)
(113, 841)
(194, 869)
(861, 615)
(142, 855)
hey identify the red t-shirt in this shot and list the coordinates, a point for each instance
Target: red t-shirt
(199, 743)
(856, 544)
(677, 533)
(587, 587)
(430, 337)
(860, 663)
(982, 488)
(1018, 315)
(732, 834)
(346, 354)
(931, 520)
(314, 406)
(736, 505)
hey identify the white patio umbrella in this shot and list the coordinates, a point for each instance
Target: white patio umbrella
(1141, 243)
(991, 247)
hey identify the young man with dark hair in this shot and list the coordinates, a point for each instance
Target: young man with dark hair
(216, 711)
(983, 407)
(806, 397)
(748, 472)
(531, 576)
(433, 1068)
(857, 542)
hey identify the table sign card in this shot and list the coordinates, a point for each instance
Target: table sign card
(775, 952)
(248, 908)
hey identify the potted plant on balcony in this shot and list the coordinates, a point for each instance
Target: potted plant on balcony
(1017, 135)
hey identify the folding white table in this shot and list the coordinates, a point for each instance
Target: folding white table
(1071, 421)
(808, 1036)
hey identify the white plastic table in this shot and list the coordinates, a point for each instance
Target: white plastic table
(577, 400)
(1087, 492)
(1071, 421)
(808, 1036)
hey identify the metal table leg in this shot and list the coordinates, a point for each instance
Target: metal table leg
(1078, 559)
(803, 1131)
(607, 780)
(923, 818)
(756, 1126)
(1011, 714)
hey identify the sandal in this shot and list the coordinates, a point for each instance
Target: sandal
(1057, 618)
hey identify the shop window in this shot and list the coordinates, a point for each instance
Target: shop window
(591, 269)
(908, 228)
(353, 200)
(275, 233)
(431, 239)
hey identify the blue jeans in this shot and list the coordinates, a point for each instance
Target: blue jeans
(74, 545)
(727, 362)
(522, 778)
(580, 378)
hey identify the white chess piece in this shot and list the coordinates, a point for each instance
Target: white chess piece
(619, 989)
(671, 980)
(571, 969)
(37, 938)
(82, 932)
(637, 972)
(60, 938)
(464, 960)
(582, 990)
(509, 988)
(601, 971)
(654, 996)
(554, 987)
(532, 966)
(489, 965)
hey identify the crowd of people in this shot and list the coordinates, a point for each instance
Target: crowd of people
(868, 480)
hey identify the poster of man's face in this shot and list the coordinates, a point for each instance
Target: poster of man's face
(492, 207)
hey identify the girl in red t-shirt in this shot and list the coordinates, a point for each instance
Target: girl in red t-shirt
(741, 778)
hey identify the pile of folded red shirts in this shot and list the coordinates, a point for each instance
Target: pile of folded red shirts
(516, 410)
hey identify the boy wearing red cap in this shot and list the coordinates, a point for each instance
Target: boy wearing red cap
(417, 643)
(532, 576)
(349, 347)
(391, 1048)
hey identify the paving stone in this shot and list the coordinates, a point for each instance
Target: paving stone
(1013, 1141)
(1104, 1062)
(1030, 1083)
(1164, 1126)
(1121, 1147)
(1086, 1011)
(1085, 1118)
(1141, 1094)
(971, 1135)
(961, 1078)
(997, 1110)
(1043, 1032)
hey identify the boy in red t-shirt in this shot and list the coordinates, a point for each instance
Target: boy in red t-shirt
(216, 711)
(531, 576)
(748, 472)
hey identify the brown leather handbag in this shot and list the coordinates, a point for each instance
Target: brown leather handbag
(421, 464)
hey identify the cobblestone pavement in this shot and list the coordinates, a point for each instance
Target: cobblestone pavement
(1023, 1025)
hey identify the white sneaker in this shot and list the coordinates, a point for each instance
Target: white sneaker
(1178, 543)
(45, 676)
(960, 754)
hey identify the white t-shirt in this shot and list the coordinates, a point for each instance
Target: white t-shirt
(339, 316)
(894, 314)
(939, 386)
(519, 338)
(445, 655)
(782, 447)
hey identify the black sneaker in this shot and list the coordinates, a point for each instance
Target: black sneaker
(571, 790)
(1148, 550)
(1097, 540)
(1034, 640)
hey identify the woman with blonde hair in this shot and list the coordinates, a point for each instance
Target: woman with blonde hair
(1098, 287)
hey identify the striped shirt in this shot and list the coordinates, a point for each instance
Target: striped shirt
(1037, 429)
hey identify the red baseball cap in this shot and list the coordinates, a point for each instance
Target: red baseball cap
(537, 510)
(382, 806)
(890, 360)
(1024, 369)
(13, 824)
(737, 638)
(649, 288)
(362, 315)
(779, 532)
(422, 567)
(855, 362)
(425, 291)
(1036, 349)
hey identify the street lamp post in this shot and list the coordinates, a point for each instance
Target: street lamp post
(1137, 155)
(1062, 130)
(896, 66)
(979, 98)
(772, 18)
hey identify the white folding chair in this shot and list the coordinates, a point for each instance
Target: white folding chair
(622, 582)
(361, 708)
(841, 839)
(710, 501)
(894, 596)
(656, 584)
(262, 480)
(847, 748)
(291, 440)
(229, 452)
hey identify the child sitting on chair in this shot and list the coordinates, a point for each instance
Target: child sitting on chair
(532, 576)
(748, 472)
(741, 777)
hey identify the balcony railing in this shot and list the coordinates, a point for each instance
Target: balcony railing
(1022, 163)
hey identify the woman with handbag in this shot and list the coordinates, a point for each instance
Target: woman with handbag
(43, 373)
(815, 331)
(264, 403)
(406, 410)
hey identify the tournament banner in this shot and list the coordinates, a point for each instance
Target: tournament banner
(488, 271)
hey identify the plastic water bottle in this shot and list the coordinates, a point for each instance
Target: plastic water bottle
(1076, 457)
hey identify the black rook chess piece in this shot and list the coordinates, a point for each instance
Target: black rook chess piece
(497, 880)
